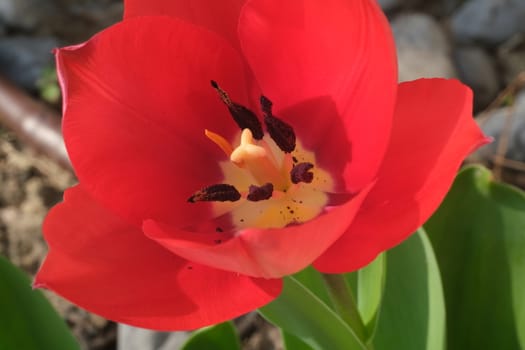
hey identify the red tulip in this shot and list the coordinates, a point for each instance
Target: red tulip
(172, 229)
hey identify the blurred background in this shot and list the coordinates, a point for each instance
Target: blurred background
(480, 42)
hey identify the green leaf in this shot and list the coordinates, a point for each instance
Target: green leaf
(311, 279)
(47, 84)
(291, 342)
(412, 315)
(300, 312)
(27, 320)
(222, 336)
(371, 281)
(478, 234)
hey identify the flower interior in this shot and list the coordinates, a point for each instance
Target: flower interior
(270, 180)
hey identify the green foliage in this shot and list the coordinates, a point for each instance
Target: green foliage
(479, 238)
(27, 319)
(300, 312)
(313, 281)
(222, 336)
(291, 342)
(412, 315)
(48, 86)
(370, 286)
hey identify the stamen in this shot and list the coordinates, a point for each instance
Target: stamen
(219, 141)
(279, 131)
(244, 118)
(260, 193)
(278, 173)
(301, 173)
(216, 193)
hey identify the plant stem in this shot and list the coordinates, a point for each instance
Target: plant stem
(344, 303)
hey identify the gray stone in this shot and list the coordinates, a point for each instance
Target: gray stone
(476, 69)
(449, 6)
(133, 338)
(488, 21)
(388, 5)
(511, 56)
(23, 59)
(495, 125)
(79, 19)
(423, 49)
(72, 20)
(26, 14)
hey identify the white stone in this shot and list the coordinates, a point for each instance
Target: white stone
(423, 49)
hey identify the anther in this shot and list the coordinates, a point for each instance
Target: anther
(216, 193)
(260, 193)
(301, 173)
(279, 131)
(244, 118)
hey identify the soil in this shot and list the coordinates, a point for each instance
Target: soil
(31, 185)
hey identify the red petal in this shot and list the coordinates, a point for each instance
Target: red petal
(260, 253)
(107, 266)
(433, 132)
(338, 53)
(220, 17)
(137, 101)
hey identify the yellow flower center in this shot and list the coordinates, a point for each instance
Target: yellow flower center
(269, 180)
(260, 162)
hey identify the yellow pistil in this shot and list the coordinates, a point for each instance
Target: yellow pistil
(258, 161)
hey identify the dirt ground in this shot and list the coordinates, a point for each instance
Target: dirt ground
(30, 185)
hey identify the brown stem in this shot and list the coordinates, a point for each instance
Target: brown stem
(33, 122)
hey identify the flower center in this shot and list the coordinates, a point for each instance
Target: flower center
(270, 180)
(258, 161)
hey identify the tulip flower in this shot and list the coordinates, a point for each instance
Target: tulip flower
(220, 146)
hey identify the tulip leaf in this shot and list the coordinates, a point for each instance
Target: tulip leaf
(478, 234)
(371, 281)
(300, 312)
(222, 336)
(313, 281)
(291, 342)
(412, 315)
(27, 320)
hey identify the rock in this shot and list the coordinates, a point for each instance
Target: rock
(72, 20)
(388, 5)
(511, 56)
(423, 49)
(26, 14)
(133, 338)
(476, 69)
(23, 59)
(495, 125)
(488, 21)
(80, 19)
(449, 6)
